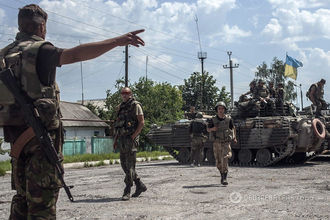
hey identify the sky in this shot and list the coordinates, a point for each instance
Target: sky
(255, 31)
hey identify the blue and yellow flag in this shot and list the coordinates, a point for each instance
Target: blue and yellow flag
(291, 66)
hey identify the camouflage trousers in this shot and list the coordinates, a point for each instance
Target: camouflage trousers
(36, 184)
(128, 149)
(222, 153)
(197, 146)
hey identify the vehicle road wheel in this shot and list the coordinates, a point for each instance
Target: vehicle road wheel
(244, 156)
(184, 155)
(210, 156)
(263, 156)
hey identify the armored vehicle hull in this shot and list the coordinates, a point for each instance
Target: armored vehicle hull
(262, 141)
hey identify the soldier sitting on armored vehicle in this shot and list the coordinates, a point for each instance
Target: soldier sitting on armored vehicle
(264, 102)
(245, 103)
(279, 102)
(272, 90)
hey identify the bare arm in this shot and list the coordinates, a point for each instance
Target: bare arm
(92, 50)
(138, 130)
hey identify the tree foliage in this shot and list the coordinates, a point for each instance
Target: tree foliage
(276, 74)
(197, 84)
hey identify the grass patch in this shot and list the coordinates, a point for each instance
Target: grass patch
(4, 166)
(110, 156)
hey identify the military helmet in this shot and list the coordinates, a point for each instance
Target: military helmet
(199, 115)
(261, 81)
(220, 104)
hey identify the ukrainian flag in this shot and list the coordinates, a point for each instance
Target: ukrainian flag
(291, 66)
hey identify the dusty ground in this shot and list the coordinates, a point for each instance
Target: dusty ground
(181, 192)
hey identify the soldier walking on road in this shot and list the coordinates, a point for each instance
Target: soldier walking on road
(223, 132)
(198, 136)
(33, 62)
(315, 94)
(129, 124)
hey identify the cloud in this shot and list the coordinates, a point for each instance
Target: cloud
(298, 3)
(213, 5)
(229, 35)
(273, 28)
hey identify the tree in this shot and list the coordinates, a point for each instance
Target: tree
(192, 89)
(276, 75)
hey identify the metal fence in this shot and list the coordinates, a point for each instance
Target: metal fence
(73, 147)
(102, 145)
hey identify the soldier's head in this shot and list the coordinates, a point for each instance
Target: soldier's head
(280, 85)
(199, 115)
(220, 108)
(32, 20)
(126, 93)
(261, 82)
(252, 84)
(322, 82)
(192, 109)
(271, 84)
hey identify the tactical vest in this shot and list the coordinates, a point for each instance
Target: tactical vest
(262, 91)
(198, 127)
(127, 122)
(21, 57)
(223, 133)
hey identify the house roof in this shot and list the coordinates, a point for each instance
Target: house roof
(77, 115)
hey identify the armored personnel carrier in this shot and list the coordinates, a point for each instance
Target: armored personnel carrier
(263, 140)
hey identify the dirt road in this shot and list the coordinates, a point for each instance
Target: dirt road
(181, 192)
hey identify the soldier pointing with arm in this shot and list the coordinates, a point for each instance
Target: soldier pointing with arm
(33, 62)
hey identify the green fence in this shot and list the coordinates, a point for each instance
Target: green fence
(73, 147)
(102, 145)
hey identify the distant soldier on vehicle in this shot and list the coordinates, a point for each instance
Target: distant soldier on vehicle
(315, 94)
(272, 91)
(223, 132)
(263, 96)
(129, 124)
(280, 96)
(198, 134)
(192, 113)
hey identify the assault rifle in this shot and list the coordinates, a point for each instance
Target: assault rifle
(32, 119)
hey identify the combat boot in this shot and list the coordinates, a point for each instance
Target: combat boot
(127, 193)
(140, 188)
(222, 178)
(224, 182)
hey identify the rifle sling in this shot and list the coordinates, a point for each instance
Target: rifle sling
(21, 141)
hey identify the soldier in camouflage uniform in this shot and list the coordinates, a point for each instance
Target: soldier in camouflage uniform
(129, 124)
(33, 61)
(222, 132)
(197, 131)
(315, 94)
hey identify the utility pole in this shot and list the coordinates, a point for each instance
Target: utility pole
(231, 76)
(301, 98)
(126, 66)
(82, 82)
(146, 68)
(201, 56)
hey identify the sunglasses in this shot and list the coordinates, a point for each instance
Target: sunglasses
(125, 93)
